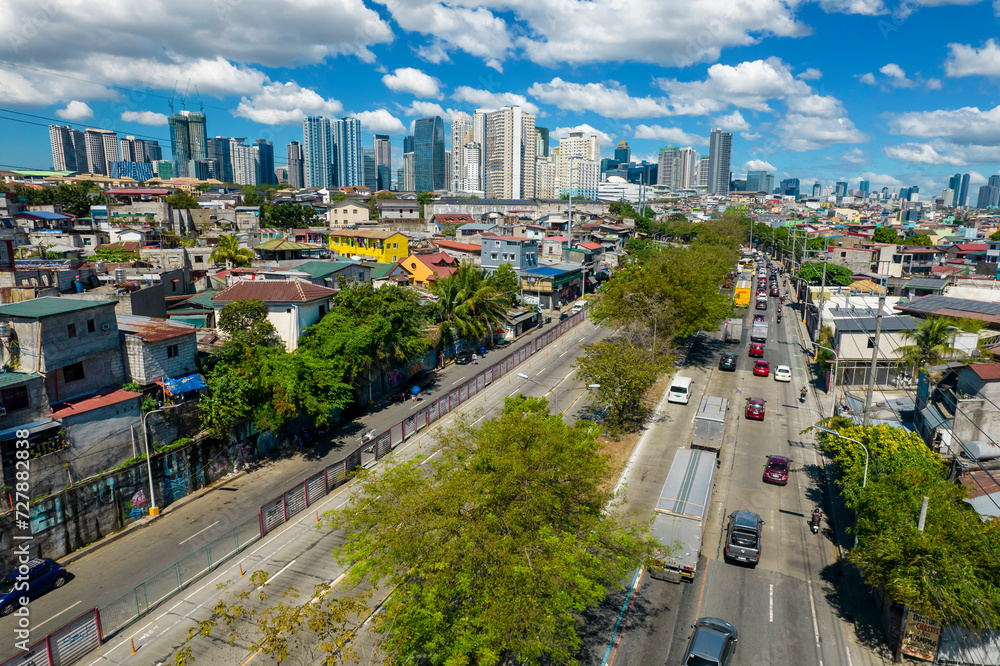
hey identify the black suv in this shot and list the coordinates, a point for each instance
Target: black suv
(712, 643)
(464, 357)
(727, 362)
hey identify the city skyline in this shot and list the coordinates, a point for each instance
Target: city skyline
(891, 116)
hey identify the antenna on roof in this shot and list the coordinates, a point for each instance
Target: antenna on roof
(201, 106)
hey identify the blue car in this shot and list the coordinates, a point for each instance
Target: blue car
(43, 575)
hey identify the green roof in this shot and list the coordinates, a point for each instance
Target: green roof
(380, 270)
(35, 172)
(49, 306)
(12, 378)
(282, 244)
(323, 268)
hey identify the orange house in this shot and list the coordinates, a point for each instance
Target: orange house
(425, 269)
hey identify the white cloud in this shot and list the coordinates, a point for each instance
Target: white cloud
(868, 78)
(610, 99)
(670, 134)
(433, 53)
(965, 125)
(381, 121)
(880, 179)
(824, 106)
(862, 7)
(803, 132)
(285, 104)
(484, 99)
(759, 165)
(413, 81)
(748, 85)
(476, 31)
(810, 74)
(933, 84)
(855, 156)
(75, 110)
(144, 117)
(603, 138)
(939, 152)
(966, 60)
(428, 109)
(213, 76)
(734, 122)
(897, 76)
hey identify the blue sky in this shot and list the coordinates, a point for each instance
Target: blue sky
(901, 93)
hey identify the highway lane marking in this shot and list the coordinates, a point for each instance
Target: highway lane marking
(459, 381)
(280, 571)
(626, 610)
(512, 393)
(57, 615)
(431, 456)
(564, 353)
(704, 582)
(770, 604)
(812, 607)
(197, 533)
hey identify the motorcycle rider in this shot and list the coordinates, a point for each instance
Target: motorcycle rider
(816, 520)
(803, 392)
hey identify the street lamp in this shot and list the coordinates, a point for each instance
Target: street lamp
(828, 431)
(153, 509)
(554, 388)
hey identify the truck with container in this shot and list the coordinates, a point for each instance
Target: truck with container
(733, 331)
(710, 424)
(741, 297)
(758, 333)
(681, 514)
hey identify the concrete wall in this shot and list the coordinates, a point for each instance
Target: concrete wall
(148, 301)
(178, 257)
(101, 438)
(536, 208)
(38, 405)
(148, 362)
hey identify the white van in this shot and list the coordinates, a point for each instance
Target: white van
(680, 390)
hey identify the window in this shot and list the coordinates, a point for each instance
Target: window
(199, 260)
(395, 258)
(86, 241)
(71, 330)
(173, 351)
(15, 398)
(493, 256)
(322, 311)
(91, 328)
(394, 246)
(73, 373)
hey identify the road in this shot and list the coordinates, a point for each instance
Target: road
(296, 554)
(789, 609)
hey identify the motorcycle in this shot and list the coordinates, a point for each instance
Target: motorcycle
(802, 394)
(816, 521)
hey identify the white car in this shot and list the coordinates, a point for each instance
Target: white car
(782, 374)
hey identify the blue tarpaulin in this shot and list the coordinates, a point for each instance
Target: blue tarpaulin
(182, 385)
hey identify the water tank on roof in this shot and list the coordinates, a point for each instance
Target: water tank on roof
(119, 275)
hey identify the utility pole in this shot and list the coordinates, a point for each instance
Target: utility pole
(822, 291)
(871, 374)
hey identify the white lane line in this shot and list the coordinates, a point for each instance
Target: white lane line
(459, 381)
(431, 456)
(512, 393)
(56, 615)
(280, 571)
(197, 533)
(564, 353)
(812, 607)
(847, 649)
(770, 604)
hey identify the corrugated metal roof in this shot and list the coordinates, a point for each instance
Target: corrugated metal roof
(13, 378)
(925, 283)
(153, 329)
(364, 233)
(273, 291)
(49, 306)
(279, 244)
(988, 372)
(42, 215)
(91, 402)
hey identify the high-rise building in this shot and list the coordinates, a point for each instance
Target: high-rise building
(720, 153)
(840, 189)
(669, 158)
(350, 158)
(218, 149)
(295, 175)
(428, 154)
(989, 196)
(545, 178)
(461, 134)
(687, 173)
(368, 160)
(757, 181)
(164, 169)
(472, 179)
(245, 160)
(865, 187)
(479, 137)
(817, 189)
(399, 178)
(265, 163)
(955, 185)
(578, 165)
(963, 195)
(317, 152)
(408, 184)
(69, 149)
(153, 151)
(188, 139)
(541, 141)
(622, 153)
(509, 160)
(102, 150)
(703, 171)
(383, 162)
(139, 171)
(789, 187)
(408, 144)
(131, 149)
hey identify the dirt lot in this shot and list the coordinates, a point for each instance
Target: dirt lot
(621, 449)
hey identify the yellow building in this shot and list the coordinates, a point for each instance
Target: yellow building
(388, 247)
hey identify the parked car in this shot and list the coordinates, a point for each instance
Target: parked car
(776, 470)
(756, 349)
(464, 357)
(712, 643)
(755, 409)
(727, 362)
(761, 369)
(774, 290)
(782, 374)
(43, 575)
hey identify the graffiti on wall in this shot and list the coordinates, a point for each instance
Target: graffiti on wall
(134, 508)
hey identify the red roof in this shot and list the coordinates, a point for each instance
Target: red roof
(970, 247)
(946, 270)
(988, 372)
(591, 246)
(89, 403)
(455, 245)
(153, 329)
(273, 291)
(140, 191)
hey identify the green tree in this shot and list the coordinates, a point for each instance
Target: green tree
(919, 239)
(115, 256)
(506, 283)
(229, 252)
(424, 198)
(812, 273)
(995, 236)
(468, 306)
(497, 549)
(76, 198)
(885, 235)
(929, 344)
(181, 200)
(251, 197)
(623, 371)
(288, 215)
(247, 317)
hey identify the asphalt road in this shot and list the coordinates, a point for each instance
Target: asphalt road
(296, 555)
(790, 608)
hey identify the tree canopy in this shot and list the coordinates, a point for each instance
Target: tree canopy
(812, 273)
(623, 372)
(468, 305)
(929, 343)
(885, 235)
(288, 215)
(506, 283)
(75, 198)
(228, 251)
(180, 200)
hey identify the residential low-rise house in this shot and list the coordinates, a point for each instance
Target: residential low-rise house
(520, 253)
(314, 236)
(330, 273)
(958, 414)
(285, 250)
(394, 210)
(444, 221)
(293, 305)
(383, 274)
(473, 230)
(920, 258)
(853, 339)
(857, 260)
(465, 252)
(35, 220)
(426, 269)
(196, 309)
(155, 349)
(551, 287)
(360, 244)
(121, 252)
(347, 213)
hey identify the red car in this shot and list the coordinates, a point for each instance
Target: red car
(759, 317)
(776, 471)
(756, 349)
(761, 369)
(774, 291)
(755, 409)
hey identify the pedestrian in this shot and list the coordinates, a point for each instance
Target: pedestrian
(473, 358)
(482, 351)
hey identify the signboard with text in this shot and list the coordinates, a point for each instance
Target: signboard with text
(921, 636)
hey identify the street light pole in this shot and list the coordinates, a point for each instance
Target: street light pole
(153, 509)
(833, 388)
(829, 431)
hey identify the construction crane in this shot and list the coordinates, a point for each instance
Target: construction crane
(201, 106)
(184, 99)
(171, 102)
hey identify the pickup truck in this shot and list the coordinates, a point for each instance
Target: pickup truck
(743, 534)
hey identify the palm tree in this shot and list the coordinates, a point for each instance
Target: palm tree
(229, 251)
(468, 306)
(930, 344)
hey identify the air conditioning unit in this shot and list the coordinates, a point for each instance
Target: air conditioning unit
(105, 327)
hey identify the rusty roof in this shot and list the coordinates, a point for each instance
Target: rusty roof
(88, 403)
(153, 329)
(988, 372)
(455, 245)
(273, 291)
